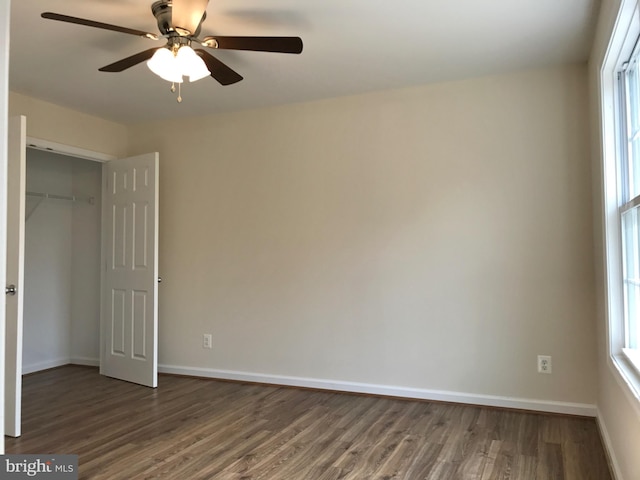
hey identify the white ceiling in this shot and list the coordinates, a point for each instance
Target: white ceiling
(350, 47)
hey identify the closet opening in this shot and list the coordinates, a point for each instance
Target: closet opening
(61, 322)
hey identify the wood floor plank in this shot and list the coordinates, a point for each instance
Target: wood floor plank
(524, 468)
(401, 458)
(190, 428)
(550, 465)
(424, 462)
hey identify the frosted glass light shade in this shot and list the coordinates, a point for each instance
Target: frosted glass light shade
(191, 65)
(172, 67)
(165, 64)
(200, 72)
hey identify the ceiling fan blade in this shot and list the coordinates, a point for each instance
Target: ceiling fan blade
(128, 62)
(219, 71)
(187, 14)
(91, 23)
(257, 44)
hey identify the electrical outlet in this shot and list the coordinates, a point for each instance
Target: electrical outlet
(207, 340)
(544, 363)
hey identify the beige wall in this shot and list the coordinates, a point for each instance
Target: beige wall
(437, 237)
(54, 123)
(619, 419)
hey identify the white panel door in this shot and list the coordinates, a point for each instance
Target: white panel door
(16, 178)
(129, 317)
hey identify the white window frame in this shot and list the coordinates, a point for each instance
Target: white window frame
(623, 41)
(628, 201)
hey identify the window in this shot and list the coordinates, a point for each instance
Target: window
(619, 85)
(628, 203)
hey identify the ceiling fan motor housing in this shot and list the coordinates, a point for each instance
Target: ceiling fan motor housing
(163, 10)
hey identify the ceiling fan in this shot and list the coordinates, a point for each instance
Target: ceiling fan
(180, 23)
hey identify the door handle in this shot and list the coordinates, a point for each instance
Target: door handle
(159, 279)
(10, 290)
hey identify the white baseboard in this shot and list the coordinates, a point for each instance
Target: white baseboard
(608, 448)
(36, 367)
(582, 409)
(86, 361)
(567, 408)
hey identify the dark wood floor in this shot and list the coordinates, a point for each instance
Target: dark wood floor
(192, 429)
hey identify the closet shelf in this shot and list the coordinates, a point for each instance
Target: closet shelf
(43, 196)
(73, 198)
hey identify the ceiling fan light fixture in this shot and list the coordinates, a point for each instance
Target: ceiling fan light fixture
(199, 73)
(172, 66)
(165, 64)
(191, 65)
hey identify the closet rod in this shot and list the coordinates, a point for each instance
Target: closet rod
(73, 198)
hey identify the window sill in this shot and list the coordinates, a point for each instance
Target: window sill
(628, 365)
(633, 357)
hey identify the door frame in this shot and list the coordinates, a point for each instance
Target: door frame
(14, 307)
(5, 16)
(70, 151)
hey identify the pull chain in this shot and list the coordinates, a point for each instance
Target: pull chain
(173, 90)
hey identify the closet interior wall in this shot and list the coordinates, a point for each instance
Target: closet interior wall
(62, 262)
